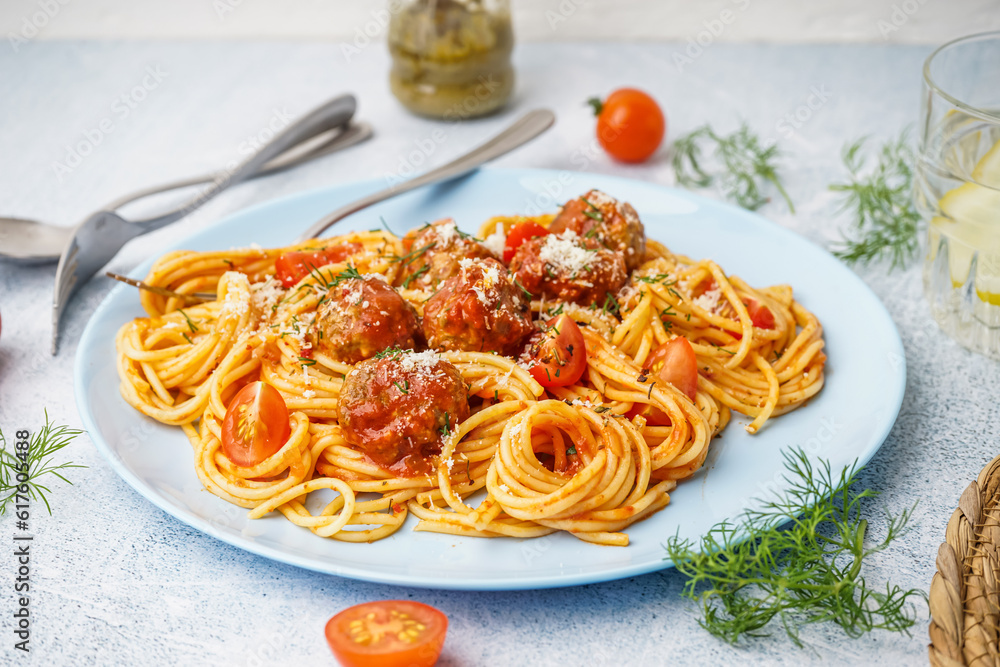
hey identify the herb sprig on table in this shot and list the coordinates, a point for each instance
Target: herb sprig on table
(38, 463)
(739, 163)
(758, 569)
(880, 199)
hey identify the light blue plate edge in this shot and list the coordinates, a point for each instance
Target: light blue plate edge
(523, 583)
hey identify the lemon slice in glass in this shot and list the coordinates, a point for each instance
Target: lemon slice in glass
(971, 221)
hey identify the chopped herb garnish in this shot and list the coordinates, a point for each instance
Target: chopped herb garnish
(190, 324)
(306, 361)
(187, 338)
(401, 388)
(411, 256)
(421, 271)
(571, 450)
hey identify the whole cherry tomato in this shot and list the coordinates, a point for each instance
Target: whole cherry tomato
(630, 124)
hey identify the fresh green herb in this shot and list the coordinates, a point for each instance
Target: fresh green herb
(36, 462)
(747, 573)
(306, 361)
(722, 349)
(592, 211)
(391, 353)
(526, 292)
(446, 429)
(411, 256)
(601, 408)
(386, 226)
(571, 450)
(745, 164)
(610, 305)
(416, 275)
(350, 273)
(229, 262)
(496, 395)
(188, 338)
(191, 325)
(401, 388)
(886, 222)
(659, 278)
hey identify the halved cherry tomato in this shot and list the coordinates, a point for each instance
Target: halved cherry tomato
(256, 425)
(674, 362)
(291, 267)
(559, 353)
(387, 633)
(520, 233)
(630, 124)
(760, 315)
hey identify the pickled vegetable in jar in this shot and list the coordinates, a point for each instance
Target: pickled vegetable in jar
(451, 58)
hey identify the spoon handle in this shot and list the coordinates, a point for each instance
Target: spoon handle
(335, 113)
(521, 132)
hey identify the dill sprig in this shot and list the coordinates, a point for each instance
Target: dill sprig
(880, 199)
(37, 463)
(798, 559)
(744, 165)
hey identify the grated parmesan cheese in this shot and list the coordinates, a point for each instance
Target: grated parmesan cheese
(709, 300)
(564, 253)
(308, 393)
(419, 361)
(496, 242)
(264, 295)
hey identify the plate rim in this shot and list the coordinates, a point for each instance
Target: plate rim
(522, 582)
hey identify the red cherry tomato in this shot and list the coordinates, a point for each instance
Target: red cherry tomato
(520, 233)
(291, 267)
(559, 353)
(387, 633)
(630, 125)
(760, 315)
(676, 363)
(256, 425)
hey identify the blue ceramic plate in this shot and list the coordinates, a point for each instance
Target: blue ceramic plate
(848, 420)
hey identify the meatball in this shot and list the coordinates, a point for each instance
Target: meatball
(568, 267)
(478, 310)
(615, 224)
(400, 405)
(434, 251)
(361, 317)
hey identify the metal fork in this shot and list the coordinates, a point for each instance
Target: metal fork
(99, 238)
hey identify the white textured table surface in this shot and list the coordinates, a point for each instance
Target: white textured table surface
(116, 581)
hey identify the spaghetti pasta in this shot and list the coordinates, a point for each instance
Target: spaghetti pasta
(589, 456)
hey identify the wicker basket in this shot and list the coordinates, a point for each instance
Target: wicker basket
(965, 591)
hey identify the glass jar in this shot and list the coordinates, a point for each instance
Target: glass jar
(451, 58)
(957, 189)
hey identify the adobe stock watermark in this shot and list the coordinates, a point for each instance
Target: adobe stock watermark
(703, 39)
(33, 24)
(900, 16)
(373, 28)
(795, 119)
(423, 149)
(563, 12)
(121, 108)
(772, 489)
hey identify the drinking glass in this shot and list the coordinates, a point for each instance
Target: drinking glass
(957, 189)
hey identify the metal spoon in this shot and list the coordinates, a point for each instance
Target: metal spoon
(33, 242)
